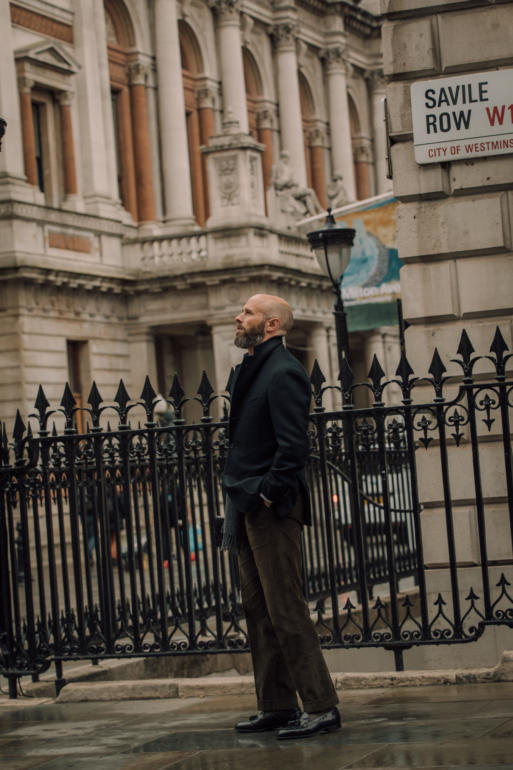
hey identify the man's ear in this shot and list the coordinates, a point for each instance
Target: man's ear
(273, 325)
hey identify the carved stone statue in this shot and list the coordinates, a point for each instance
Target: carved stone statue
(336, 192)
(292, 200)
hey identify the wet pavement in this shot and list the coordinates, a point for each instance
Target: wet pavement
(459, 726)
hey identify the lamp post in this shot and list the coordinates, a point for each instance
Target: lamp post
(331, 245)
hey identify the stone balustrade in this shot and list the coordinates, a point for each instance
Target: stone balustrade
(173, 252)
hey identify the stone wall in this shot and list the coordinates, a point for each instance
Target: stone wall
(455, 235)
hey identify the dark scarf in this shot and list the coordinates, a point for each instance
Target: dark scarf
(245, 376)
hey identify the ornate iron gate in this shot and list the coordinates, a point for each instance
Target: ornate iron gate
(107, 536)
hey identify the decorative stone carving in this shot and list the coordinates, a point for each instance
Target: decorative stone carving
(284, 34)
(138, 73)
(25, 84)
(301, 53)
(184, 9)
(205, 97)
(317, 136)
(335, 56)
(226, 168)
(247, 24)
(363, 150)
(254, 162)
(287, 198)
(227, 11)
(336, 192)
(265, 118)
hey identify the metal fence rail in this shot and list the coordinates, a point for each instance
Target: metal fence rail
(107, 537)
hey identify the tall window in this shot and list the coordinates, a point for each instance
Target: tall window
(38, 140)
(258, 128)
(129, 114)
(192, 66)
(313, 144)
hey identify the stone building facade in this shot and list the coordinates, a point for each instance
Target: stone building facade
(455, 236)
(157, 159)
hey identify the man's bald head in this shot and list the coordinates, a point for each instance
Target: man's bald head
(263, 316)
(272, 306)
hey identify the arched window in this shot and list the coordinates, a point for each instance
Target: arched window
(199, 121)
(313, 142)
(129, 111)
(258, 117)
(361, 150)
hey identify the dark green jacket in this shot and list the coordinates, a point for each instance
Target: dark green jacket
(268, 442)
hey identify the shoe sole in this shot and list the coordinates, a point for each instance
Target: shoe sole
(329, 729)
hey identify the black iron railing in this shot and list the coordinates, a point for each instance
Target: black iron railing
(107, 537)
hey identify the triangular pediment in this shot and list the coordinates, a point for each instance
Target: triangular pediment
(49, 56)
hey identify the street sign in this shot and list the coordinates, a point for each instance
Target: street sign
(468, 116)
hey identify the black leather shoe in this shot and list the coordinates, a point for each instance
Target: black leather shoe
(267, 720)
(311, 724)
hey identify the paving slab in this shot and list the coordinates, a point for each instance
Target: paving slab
(441, 727)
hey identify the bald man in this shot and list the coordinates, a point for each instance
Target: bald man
(266, 506)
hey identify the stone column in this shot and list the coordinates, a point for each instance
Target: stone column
(126, 153)
(319, 344)
(94, 103)
(27, 130)
(11, 160)
(68, 146)
(173, 132)
(291, 126)
(377, 93)
(142, 154)
(143, 359)
(363, 164)
(232, 68)
(226, 355)
(340, 128)
(205, 97)
(264, 124)
(317, 143)
(193, 125)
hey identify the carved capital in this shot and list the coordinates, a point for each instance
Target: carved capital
(362, 150)
(65, 98)
(335, 58)
(227, 11)
(205, 97)
(265, 118)
(376, 80)
(138, 73)
(25, 84)
(317, 136)
(284, 34)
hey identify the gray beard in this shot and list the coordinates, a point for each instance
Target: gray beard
(250, 339)
(247, 340)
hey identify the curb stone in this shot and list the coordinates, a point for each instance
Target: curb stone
(201, 687)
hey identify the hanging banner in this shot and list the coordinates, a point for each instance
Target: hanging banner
(370, 285)
(468, 116)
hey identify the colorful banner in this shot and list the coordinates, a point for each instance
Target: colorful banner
(370, 286)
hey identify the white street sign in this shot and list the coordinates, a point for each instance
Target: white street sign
(468, 116)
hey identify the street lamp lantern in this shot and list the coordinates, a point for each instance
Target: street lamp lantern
(332, 245)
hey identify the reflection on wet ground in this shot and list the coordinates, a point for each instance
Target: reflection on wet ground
(424, 728)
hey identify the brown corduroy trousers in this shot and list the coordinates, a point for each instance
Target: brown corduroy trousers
(287, 657)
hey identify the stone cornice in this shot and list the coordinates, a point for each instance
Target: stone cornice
(407, 10)
(154, 284)
(45, 215)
